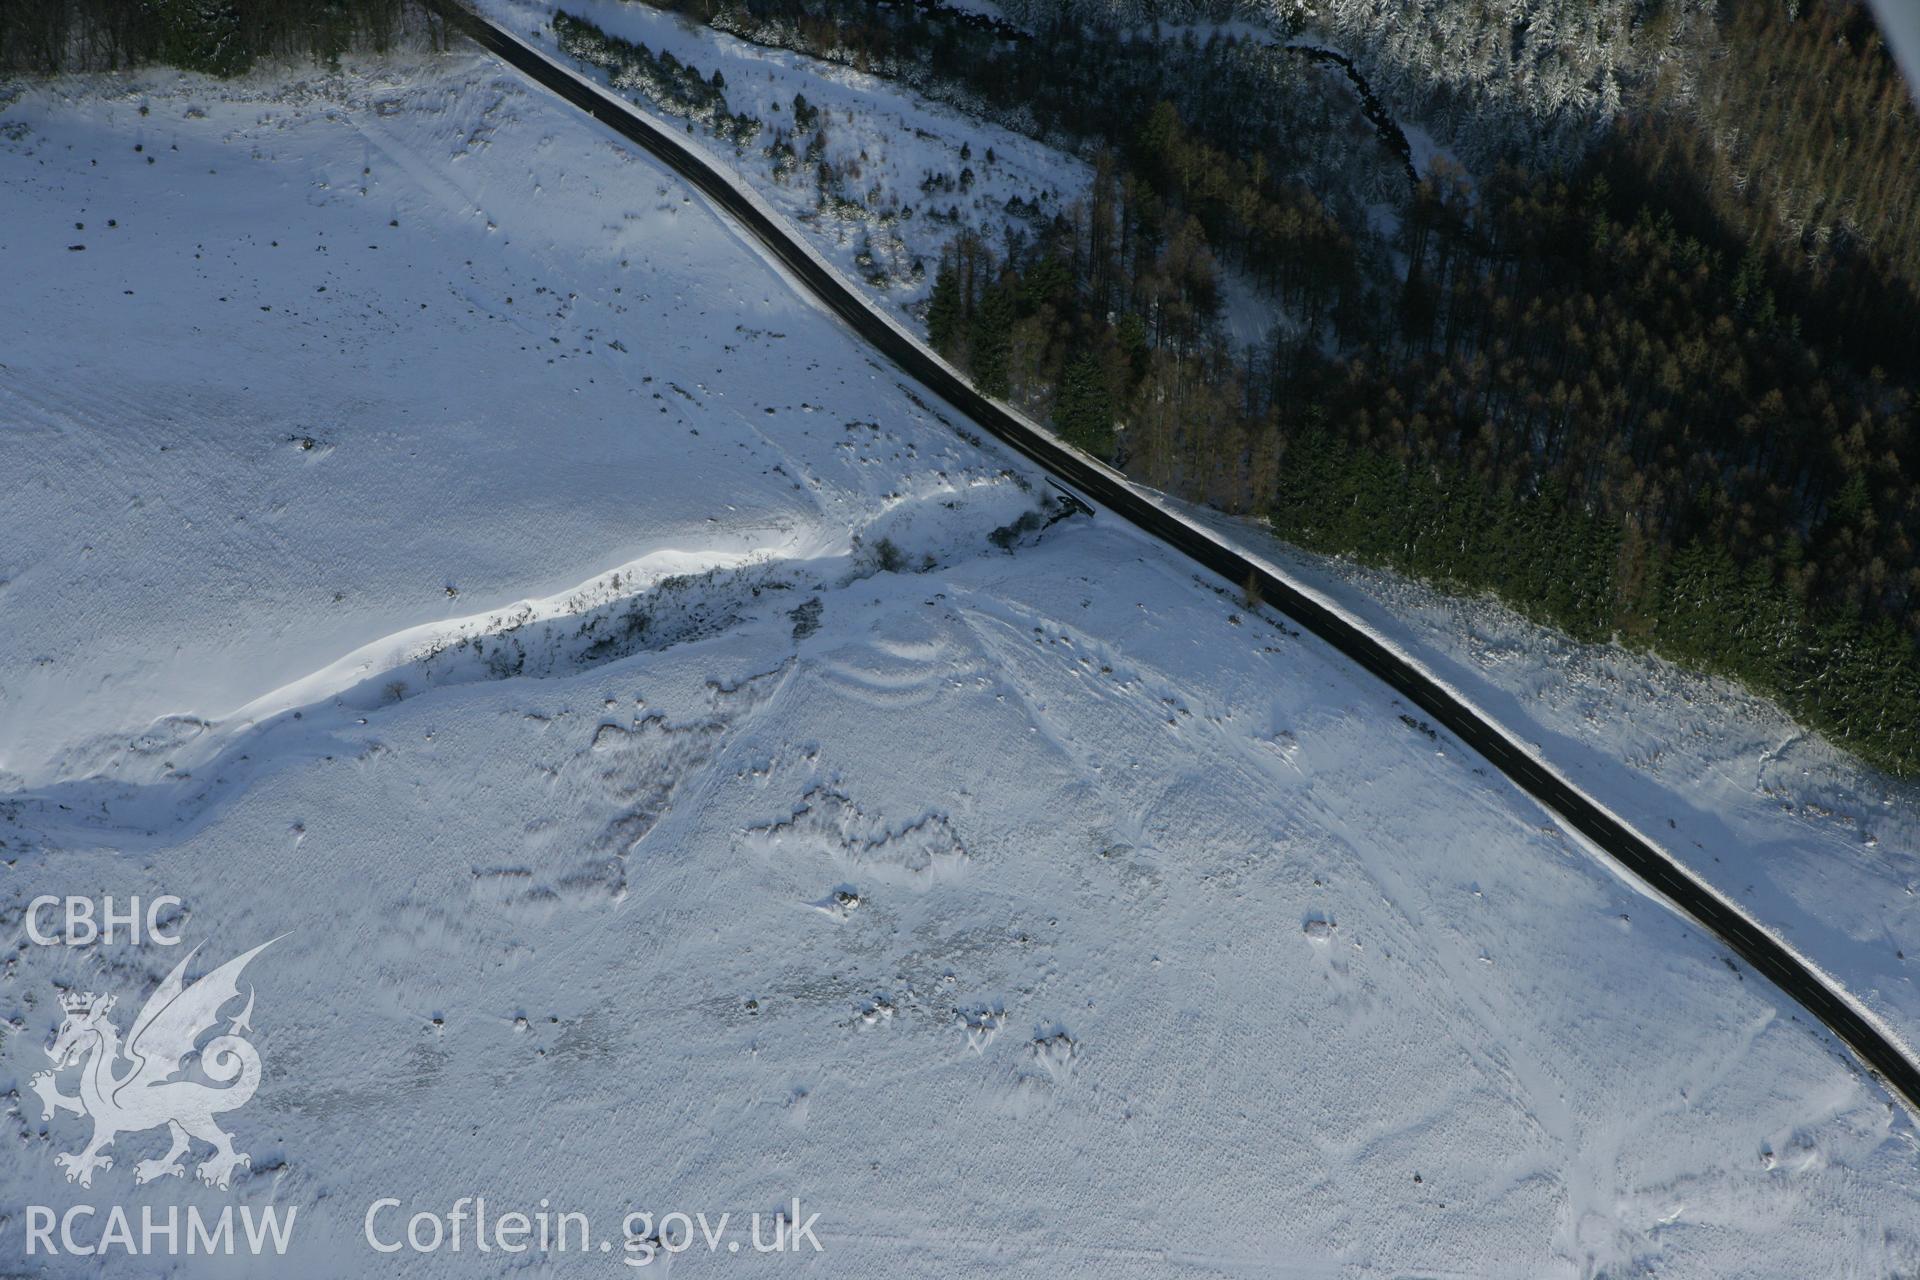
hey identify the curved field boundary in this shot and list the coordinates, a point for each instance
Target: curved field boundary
(1878, 1047)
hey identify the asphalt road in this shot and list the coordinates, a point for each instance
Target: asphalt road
(1767, 955)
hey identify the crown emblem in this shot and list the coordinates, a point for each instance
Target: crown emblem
(77, 1002)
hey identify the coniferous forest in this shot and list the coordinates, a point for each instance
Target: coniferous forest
(1651, 379)
(219, 37)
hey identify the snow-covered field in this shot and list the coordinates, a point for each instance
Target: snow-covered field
(1823, 850)
(673, 797)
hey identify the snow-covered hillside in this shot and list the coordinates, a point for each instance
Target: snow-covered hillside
(910, 174)
(1821, 849)
(684, 781)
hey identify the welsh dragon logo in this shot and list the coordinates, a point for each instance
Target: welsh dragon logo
(162, 1075)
